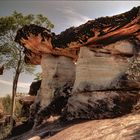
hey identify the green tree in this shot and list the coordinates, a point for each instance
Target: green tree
(11, 54)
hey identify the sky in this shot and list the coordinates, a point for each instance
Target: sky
(63, 14)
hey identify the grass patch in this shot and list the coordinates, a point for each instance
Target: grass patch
(4, 131)
(5, 108)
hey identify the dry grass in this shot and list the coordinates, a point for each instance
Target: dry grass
(5, 108)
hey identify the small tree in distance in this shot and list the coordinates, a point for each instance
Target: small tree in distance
(11, 54)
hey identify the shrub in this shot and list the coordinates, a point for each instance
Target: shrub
(4, 131)
(6, 101)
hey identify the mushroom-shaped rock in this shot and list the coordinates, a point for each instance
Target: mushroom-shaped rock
(38, 40)
(106, 77)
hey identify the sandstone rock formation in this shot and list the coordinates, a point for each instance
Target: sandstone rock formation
(104, 82)
(124, 128)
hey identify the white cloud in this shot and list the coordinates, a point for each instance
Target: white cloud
(20, 84)
(72, 17)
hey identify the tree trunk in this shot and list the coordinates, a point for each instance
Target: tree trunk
(14, 89)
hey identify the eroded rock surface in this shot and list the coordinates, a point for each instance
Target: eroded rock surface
(103, 87)
(123, 128)
(56, 73)
(106, 81)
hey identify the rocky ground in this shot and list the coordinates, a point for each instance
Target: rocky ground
(122, 128)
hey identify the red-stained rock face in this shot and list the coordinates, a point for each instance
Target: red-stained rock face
(102, 31)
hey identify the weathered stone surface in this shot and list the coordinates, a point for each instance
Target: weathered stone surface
(107, 77)
(103, 70)
(95, 72)
(101, 104)
(56, 72)
(122, 128)
(102, 87)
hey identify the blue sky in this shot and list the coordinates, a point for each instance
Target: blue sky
(63, 14)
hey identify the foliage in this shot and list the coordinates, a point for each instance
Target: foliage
(4, 131)
(6, 105)
(6, 101)
(11, 54)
